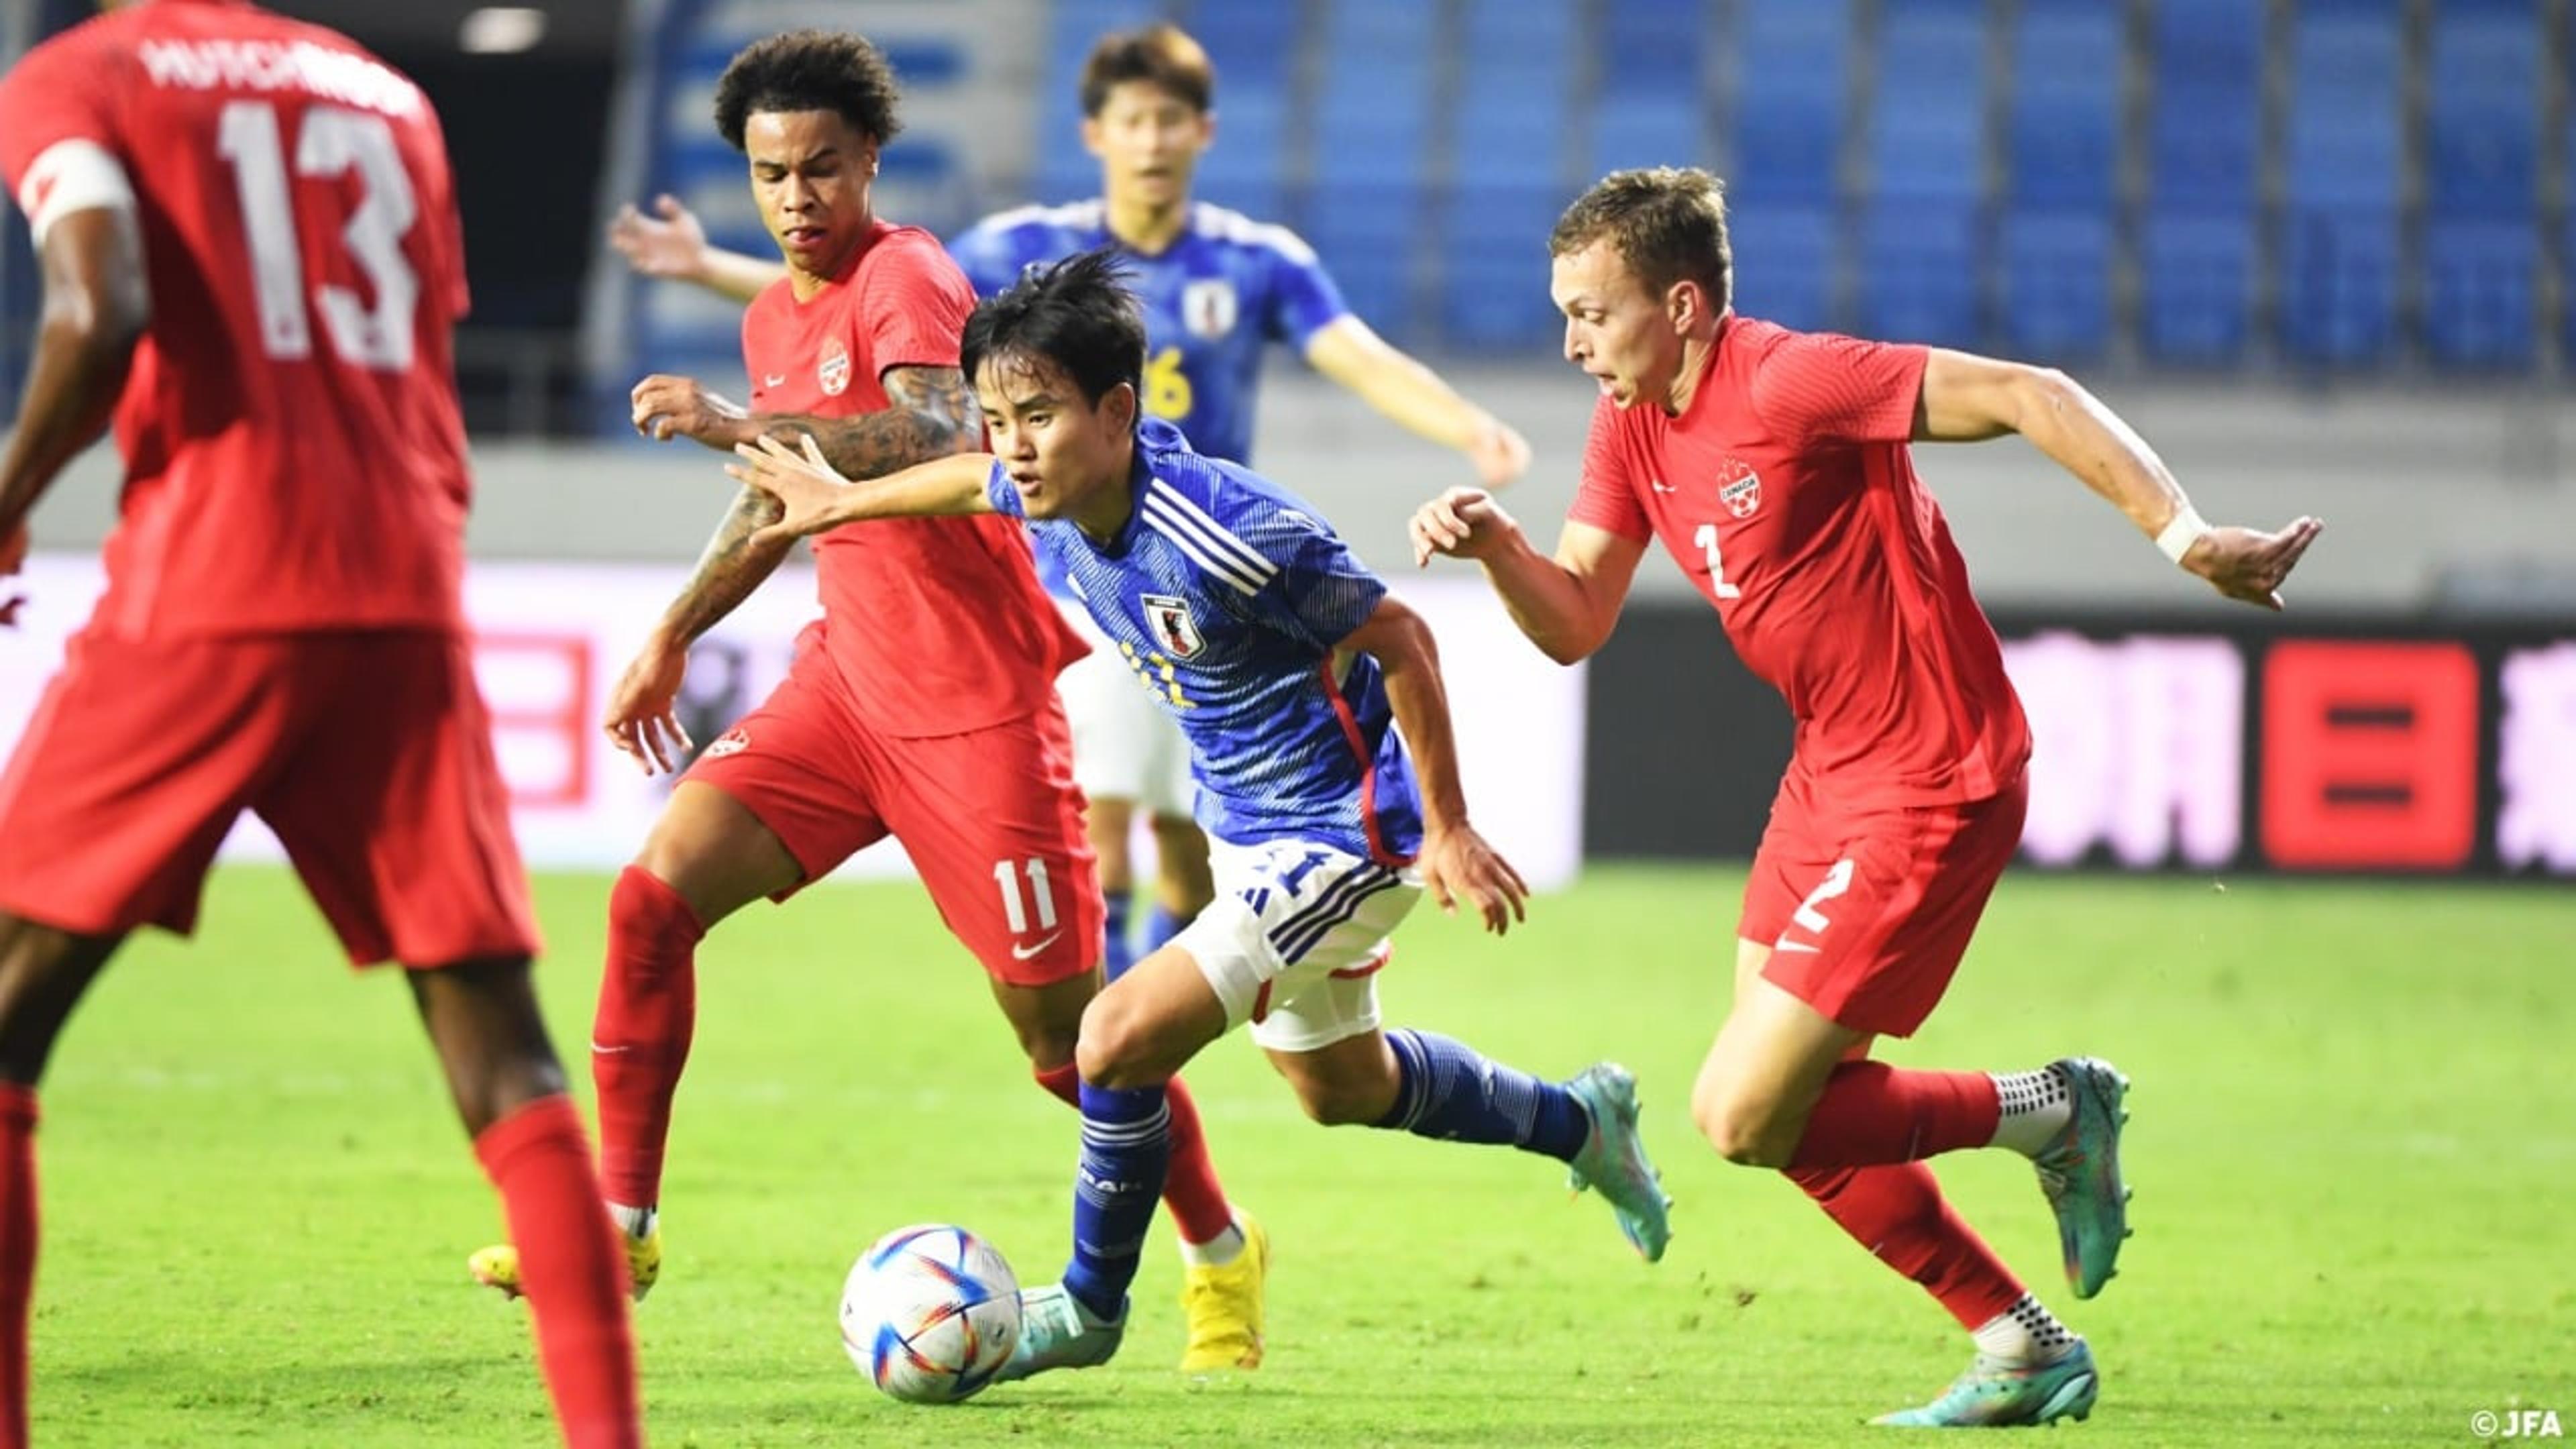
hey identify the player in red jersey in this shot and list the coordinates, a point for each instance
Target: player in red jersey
(252, 262)
(1774, 465)
(921, 706)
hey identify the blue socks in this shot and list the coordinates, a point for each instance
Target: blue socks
(1117, 953)
(1447, 1089)
(1126, 1148)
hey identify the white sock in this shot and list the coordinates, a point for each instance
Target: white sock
(1216, 1252)
(2036, 1107)
(2028, 1334)
(634, 1222)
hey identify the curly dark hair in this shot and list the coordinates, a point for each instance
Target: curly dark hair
(1669, 224)
(809, 70)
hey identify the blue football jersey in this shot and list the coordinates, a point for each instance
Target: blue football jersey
(1224, 289)
(1227, 596)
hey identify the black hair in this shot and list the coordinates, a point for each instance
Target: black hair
(1076, 315)
(809, 70)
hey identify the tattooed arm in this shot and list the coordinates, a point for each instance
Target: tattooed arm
(929, 414)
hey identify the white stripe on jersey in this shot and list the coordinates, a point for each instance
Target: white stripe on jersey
(1163, 522)
(1174, 507)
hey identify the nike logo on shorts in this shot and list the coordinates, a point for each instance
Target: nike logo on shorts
(1808, 947)
(1023, 953)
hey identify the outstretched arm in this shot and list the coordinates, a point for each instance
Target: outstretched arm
(1349, 352)
(1455, 860)
(1566, 605)
(928, 414)
(672, 246)
(1967, 398)
(809, 496)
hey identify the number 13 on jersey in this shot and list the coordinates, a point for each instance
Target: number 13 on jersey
(1706, 538)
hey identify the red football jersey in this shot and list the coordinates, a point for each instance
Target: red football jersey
(937, 625)
(295, 456)
(1786, 490)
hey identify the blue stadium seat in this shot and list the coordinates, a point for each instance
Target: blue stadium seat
(2482, 111)
(1655, 48)
(2479, 292)
(1920, 268)
(2338, 285)
(2204, 143)
(2196, 290)
(1647, 128)
(2055, 284)
(1365, 233)
(2063, 138)
(2343, 145)
(1927, 133)
(1493, 259)
(1784, 263)
(1793, 63)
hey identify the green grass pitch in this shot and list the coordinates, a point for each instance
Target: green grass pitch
(2354, 1150)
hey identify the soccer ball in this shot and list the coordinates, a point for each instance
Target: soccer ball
(930, 1313)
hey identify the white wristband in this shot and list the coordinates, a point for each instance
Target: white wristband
(2187, 528)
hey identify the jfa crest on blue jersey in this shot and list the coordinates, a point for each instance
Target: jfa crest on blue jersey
(1228, 597)
(1225, 288)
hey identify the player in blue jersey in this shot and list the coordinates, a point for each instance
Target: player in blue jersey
(1320, 740)
(1218, 289)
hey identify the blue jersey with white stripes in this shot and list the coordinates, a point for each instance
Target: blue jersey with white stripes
(1225, 288)
(1227, 596)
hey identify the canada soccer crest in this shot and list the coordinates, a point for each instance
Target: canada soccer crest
(1175, 632)
(1739, 488)
(1208, 307)
(834, 373)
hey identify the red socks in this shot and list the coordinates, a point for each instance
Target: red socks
(17, 1254)
(1898, 1214)
(1190, 1190)
(648, 1011)
(572, 1267)
(1872, 1113)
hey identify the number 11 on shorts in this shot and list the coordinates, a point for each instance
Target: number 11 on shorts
(1007, 875)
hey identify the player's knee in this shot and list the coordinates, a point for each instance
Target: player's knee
(1048, 1046)
(1739, 1128)
(1116, 1045)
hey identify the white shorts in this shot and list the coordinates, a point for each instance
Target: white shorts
(1124, 746)
(1295, 937)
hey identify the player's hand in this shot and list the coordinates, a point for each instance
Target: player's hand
(668, 407)
(2247, 564)
(642, 719)
(1457, 864)
(1500, 453)
(13, 557)
(674, 246)
(804, 484)
(1461, 523)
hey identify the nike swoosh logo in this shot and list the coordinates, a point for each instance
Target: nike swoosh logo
(1797, 946)
(597, 1048)
(773, 379)
(1661, 486)
(1022, 953)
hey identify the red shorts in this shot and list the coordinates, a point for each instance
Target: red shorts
(991, 818)
(367, 752)
(1868, 911)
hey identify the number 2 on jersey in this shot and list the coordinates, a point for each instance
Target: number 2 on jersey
(331, 142)
(1706, 538)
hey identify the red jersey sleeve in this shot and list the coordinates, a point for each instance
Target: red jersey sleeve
(1820, 387)
(913, 304)
(1607, 497)
(62, 90)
